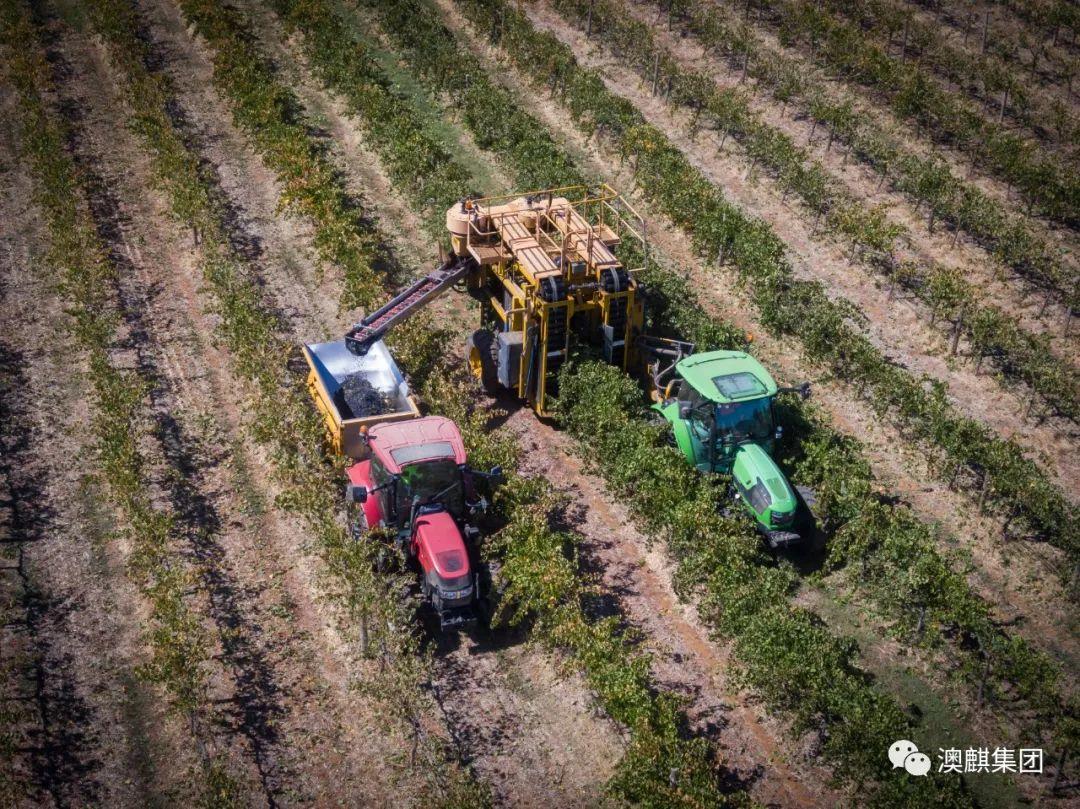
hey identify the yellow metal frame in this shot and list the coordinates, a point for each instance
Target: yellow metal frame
(567, 225)
(346, 436)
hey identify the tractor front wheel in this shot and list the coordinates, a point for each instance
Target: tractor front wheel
(482, 359)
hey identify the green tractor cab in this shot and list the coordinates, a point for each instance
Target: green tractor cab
(720, 407)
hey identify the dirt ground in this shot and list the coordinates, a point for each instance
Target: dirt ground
(1012, 576)
(897, 327)
(87, 731)
(999, 283)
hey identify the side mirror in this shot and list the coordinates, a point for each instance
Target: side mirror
(496, 473)
(804, 390)
(684, 411)
(779, 433)
(356, 494)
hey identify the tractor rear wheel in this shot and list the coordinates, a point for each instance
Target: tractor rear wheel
(482, 359)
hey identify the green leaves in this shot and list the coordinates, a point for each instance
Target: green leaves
(178, 643)
(790, 306)
(788, 656)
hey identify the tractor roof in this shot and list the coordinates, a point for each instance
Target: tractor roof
(400, 443)
(727, 376)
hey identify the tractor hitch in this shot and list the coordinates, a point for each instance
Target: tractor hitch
(802, 390)
(457, 619)
(782, 539)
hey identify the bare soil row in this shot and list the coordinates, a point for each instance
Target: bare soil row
(897, 326)
(1003, 574)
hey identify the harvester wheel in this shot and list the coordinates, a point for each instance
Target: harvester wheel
(482, 358)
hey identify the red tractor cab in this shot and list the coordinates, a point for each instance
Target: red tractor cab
(416, 482)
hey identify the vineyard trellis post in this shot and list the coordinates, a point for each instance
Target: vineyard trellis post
(957, 329)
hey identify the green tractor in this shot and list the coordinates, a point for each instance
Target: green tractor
(720, 407)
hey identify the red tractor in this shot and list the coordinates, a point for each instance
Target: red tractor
(415, 482)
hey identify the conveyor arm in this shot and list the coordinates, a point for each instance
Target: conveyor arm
(403, 305)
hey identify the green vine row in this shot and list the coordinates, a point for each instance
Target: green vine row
(1019, 354)
(1043, 37)
(432, 48)
(787, 655)
(178, 643)
(1011, 238)
(1055, 16)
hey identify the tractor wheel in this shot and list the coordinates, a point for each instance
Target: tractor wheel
(482, 358)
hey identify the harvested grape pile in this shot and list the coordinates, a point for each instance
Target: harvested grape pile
(358, 398)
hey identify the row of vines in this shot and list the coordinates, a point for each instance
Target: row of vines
(180, 647)
(986, 76)
(915, 96)
(661, 767)
(943, 595)
(1054, 20)
(948, 296)
(1039, 33)
(1013, 239)
(966, 452)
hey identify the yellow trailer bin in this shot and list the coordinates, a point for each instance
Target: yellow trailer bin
(330, 364)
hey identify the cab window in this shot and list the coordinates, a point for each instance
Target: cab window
(440, 478)
(380, 477)
(700, 414)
